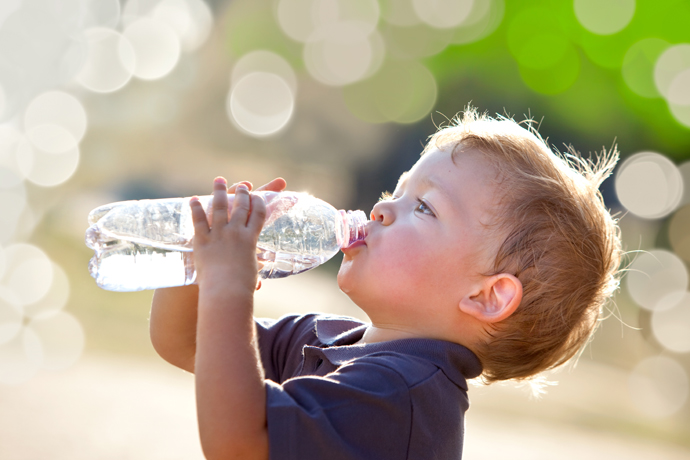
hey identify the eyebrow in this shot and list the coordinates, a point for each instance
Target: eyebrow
(432, 182)
(429, 181)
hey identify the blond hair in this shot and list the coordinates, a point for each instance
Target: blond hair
(558, 239)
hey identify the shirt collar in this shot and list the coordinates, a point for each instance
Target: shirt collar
(339, 334)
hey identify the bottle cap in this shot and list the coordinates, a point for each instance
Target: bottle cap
(355, 227)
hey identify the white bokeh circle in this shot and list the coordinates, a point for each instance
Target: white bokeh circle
(110, 63)
(260, 104)
(156, 47)
(671, 324)
(11, 315)
(29, 272)
(654, 275)
(672, 62)
(649, 185)
(263, 61)
(443, 14)
(604, 17)
(47, 169)
(55, 298)
(55, 122)
(339, 55)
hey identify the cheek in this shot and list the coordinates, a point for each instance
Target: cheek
(406, 265)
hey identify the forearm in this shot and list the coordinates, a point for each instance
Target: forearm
(173, 324)
(231, 400)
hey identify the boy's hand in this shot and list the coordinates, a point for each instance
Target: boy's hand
(230, 393)
(225, 252)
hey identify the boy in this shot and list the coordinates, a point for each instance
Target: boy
(492, 258)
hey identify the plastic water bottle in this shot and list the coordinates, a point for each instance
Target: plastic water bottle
(147, 244)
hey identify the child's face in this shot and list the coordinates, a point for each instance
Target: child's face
(426, 246)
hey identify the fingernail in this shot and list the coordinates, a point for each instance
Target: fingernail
(242, 187)
(220, 180)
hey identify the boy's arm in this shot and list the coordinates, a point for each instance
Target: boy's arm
(172, 325)
(230, 393)
(173, 320)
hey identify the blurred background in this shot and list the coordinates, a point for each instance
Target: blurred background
(108, 100)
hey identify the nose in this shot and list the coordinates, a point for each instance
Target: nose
(383, 212)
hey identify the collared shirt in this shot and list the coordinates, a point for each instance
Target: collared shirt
(330, 398)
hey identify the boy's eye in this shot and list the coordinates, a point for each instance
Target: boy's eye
(423, 208)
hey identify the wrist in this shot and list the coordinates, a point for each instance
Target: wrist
(225, 290)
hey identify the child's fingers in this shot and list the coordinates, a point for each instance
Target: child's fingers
(220, 202)
(198, 217)
(258, 214)
(276, 185)
(240, 206)
(233, 187)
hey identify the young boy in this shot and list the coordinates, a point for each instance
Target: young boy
(492, 258)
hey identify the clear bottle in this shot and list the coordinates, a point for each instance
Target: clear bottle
(147, 244)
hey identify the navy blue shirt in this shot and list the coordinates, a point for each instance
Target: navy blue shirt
(328, 398)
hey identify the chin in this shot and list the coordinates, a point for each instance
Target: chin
(347, 278)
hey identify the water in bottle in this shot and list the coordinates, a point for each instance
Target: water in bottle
(147, 244)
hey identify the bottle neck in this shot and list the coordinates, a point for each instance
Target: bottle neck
(354, 226)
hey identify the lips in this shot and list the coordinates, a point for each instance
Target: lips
(353, 246)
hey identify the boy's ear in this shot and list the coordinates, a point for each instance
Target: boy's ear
(495, 300)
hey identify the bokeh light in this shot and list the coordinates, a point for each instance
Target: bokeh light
(339, 55)
(638, 66)
(10, 174)
(156, 48)
(443, 14)
(681, 113)
(11, 317)
(670, 64)
(604, 17)
(679, 89)
(305, 20)
(658, 386)
(46, 169)
(264, 61)
(55, 122)
(654, 275)
(260, 103)
(55, 298)
(13, 202)
(671, 324)
(298, 18)
(649, 185)
(28, 272)
(111, 61)
(402, 91)
(191, 20)
(484, 19)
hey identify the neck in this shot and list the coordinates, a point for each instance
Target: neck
(385, 333)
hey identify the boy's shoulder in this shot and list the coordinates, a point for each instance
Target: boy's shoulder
(332, 339)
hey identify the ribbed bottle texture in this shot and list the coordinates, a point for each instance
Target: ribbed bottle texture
(147, 244)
